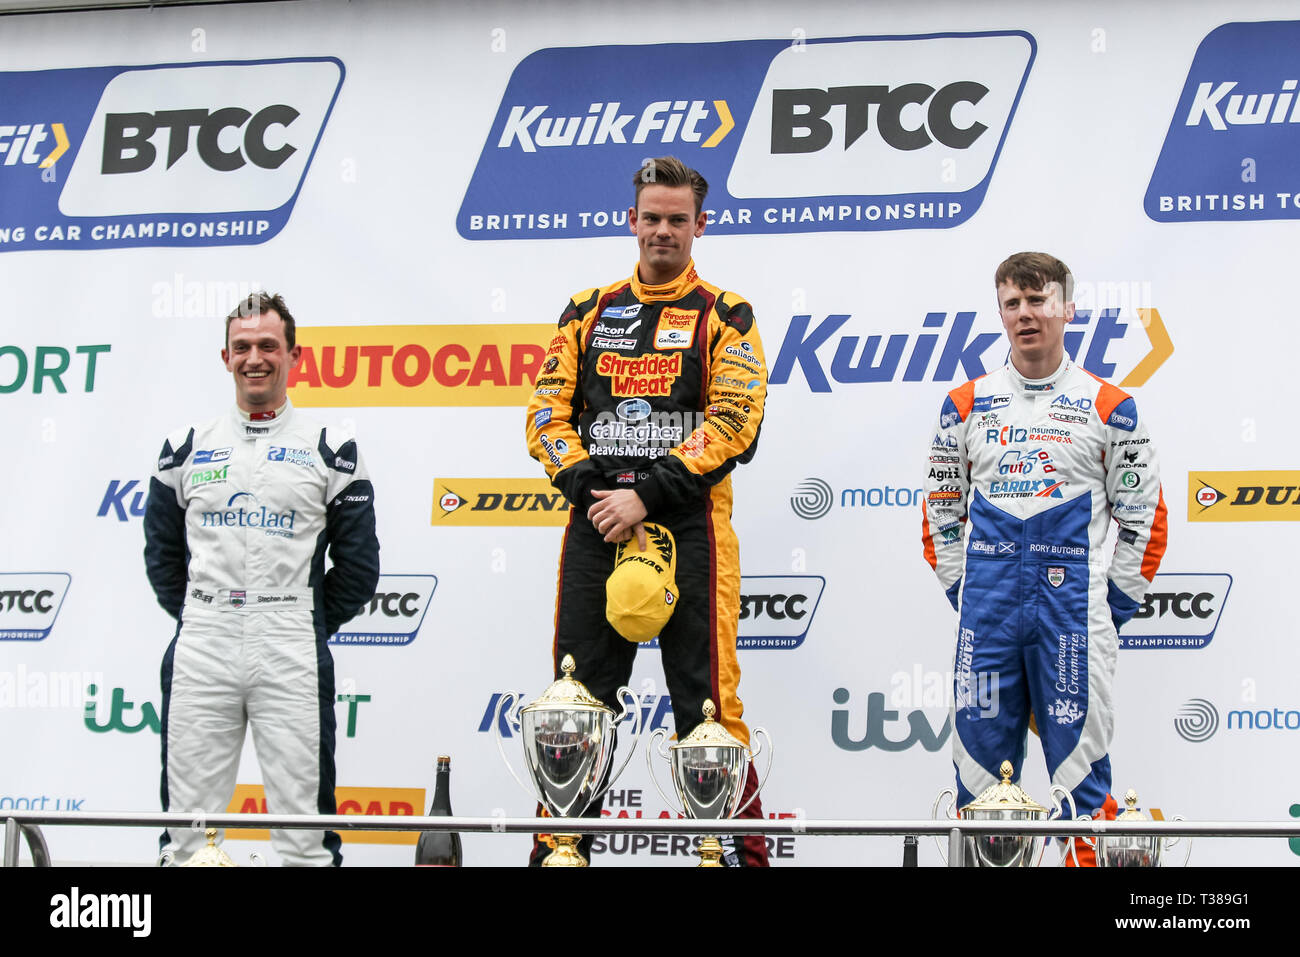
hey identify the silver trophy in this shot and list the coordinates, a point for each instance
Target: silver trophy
(709, 769)
(568, 747)
(1004, 801)
(1131, 850)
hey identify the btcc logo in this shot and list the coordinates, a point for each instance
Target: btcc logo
(799, 124)
(127, 146)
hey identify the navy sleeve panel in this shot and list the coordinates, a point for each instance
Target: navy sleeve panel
(354, 552)
(166, 551)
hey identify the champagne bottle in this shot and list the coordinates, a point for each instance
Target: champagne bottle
(440, 848)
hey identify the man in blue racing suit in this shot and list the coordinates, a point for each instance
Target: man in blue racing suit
(1029, 467)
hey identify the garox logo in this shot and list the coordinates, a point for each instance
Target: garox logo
(487, 501)
(852, 133)
(394, 615)
(29, 603)
(485, 365)
(962, 352)
(1230, 150)
(194, 154)
(1180, 611)
(1272, 496)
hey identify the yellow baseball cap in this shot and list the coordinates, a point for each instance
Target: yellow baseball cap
(641, 591)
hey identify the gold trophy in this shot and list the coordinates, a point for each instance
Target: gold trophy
(210, 855)
(1131, 850)
(1004, 801)
(709, 768)
(569, 741)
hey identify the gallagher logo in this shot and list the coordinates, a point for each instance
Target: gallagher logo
(394, 615)
(1272, 496)
(470, 501)
(1231, 146)
(850, 133)
(197, 154)
(30, 602)
(1103, 347)
(1180, 611)
(479, 365)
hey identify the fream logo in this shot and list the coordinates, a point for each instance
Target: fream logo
(1264, 496)
(454, 365)
(1104, 348)
(1235, 130)
(1180, 611)
(394, 615)
(30, 602)
(489, 501)
(848, 133)
(196, 154)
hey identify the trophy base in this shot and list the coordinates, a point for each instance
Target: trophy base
(710, 852)
(566, 853)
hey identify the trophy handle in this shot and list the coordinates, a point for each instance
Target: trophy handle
(1060, 797)
(636, 737)
(656, 743)
(934, 816)
(753, 754)
(1170, 842)
(1083, 837)
(508, 700)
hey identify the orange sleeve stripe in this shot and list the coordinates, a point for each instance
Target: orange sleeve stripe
(928, 540)
(963, 397)
(1155, 550)
(1108, 400)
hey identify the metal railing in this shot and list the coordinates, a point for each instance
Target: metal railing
(19, 824)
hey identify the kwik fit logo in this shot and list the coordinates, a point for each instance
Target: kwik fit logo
(851, 133)
(193, 154)
(1231, 146)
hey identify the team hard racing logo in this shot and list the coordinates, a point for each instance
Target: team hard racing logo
(850, 133)
(189, 154)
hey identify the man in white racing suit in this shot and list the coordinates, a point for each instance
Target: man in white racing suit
(242, 511)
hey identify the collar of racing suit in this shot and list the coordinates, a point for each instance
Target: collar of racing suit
(249, 427)
(673, 289)
(1034, 386)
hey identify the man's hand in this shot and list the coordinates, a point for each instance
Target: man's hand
(618, 515)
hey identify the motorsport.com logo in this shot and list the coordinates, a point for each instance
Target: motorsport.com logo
(814, 498)
(1198, 720)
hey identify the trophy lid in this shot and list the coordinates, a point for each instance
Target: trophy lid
(567, 692)
(211, 855)
(1004, 796)
(1131, 812)
(709, 734)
